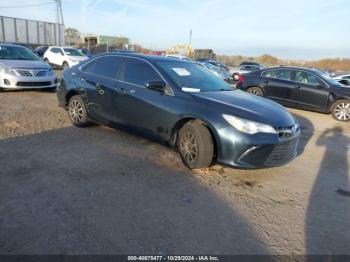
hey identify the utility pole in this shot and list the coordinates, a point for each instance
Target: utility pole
(190, 36)
(59, 12)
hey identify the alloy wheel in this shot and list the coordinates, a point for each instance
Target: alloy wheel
(76, 111)
(189, 147)
(342, 111)
(254, 91)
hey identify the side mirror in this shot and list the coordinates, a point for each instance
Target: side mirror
(156, 85)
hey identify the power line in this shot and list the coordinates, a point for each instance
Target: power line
(21, 6)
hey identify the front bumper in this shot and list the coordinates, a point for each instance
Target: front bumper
(9, 81)
(256, 151)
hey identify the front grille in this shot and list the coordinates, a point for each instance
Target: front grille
(283, 153)
(33, 83)
(31, 73)
(289, 131)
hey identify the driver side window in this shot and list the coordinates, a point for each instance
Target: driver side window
(307, 78)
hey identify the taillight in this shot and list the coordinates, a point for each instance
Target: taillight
(240, 79)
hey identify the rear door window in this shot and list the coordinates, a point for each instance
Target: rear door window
(284, 74)
(138, 72)
(106, 66)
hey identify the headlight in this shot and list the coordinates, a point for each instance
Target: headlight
(7, 70)
(247, 126)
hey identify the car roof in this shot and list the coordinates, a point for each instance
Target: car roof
(56, 46)
(11, 44)
(150, 58)
(294, 68)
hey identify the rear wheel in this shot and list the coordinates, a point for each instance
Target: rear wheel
(341, 110)
(255, 91)
(77, 111)
(195, 144)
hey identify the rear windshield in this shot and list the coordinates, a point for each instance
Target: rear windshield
(194, 76)
(16, 53)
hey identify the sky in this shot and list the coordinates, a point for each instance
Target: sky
(290, 29)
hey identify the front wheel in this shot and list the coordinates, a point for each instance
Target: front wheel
(46, 61)
(255, 91)
(341, 110)
(196, 146)
(77, 112)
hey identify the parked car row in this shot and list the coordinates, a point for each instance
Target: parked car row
(183, 102)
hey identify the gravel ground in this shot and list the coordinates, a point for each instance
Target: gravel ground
(65, 190)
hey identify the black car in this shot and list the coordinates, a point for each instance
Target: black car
(40, 50)
(303, 88)
(181, 103)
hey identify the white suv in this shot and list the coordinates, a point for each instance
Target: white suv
(64, 57)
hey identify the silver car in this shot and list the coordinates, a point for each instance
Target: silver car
(20, 68)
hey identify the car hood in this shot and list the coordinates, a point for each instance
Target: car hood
(342, 89)
(30, 64)
(247, 106)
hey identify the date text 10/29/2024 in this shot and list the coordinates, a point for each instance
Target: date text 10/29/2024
(173, 258)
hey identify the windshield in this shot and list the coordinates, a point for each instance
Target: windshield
(16, 53)
(327, 78)
(72, 52)
(210, 66)
(194, 76)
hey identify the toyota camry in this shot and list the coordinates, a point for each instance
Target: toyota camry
(181, 103)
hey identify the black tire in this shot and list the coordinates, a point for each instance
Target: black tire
(341, 110)
(235, 76)
(46, 61)
(255, 91)
(65, 66)
(195, 145)
(77, 112)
